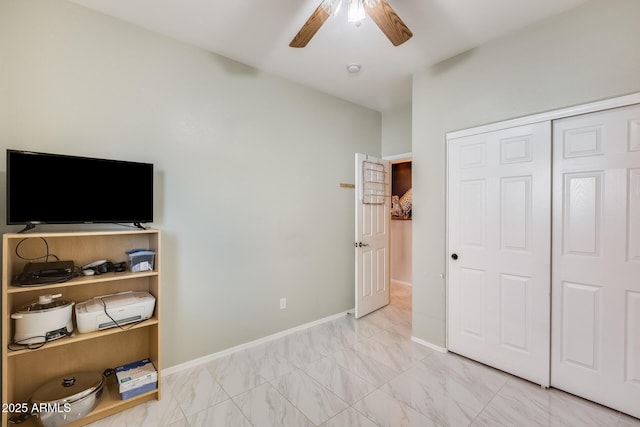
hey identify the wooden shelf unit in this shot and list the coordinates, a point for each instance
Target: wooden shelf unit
(23, 371)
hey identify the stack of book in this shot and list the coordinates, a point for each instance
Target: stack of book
(136, 378)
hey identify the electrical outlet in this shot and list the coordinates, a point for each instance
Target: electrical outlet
(283, 303)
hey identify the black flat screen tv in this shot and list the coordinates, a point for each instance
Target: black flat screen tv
(45, 188)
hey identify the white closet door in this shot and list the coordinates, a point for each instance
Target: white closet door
(596, 257)
(499, 216)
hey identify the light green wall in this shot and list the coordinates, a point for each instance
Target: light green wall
(248, 165)
(586, 54)
(396, 131)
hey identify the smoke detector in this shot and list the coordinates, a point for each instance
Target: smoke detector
(353, 68)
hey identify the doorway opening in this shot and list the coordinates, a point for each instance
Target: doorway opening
(401, 230)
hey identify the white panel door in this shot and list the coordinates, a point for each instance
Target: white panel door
(596, 257)
(499, 216)
(373, 213)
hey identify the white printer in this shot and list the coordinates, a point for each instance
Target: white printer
(119, 309)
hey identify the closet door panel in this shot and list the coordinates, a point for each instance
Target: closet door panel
(515, 209)
(582, 219)
(581, 332)
(499, 243)
(633, 223)
(632, 363)
(473, 196)
(596, 257)
(515, 294)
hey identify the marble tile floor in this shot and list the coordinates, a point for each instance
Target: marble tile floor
(364, 372)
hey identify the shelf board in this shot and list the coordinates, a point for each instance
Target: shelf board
(76, 233)
(77, 337)
(83, 280)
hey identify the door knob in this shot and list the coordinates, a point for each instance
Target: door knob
(454, 256)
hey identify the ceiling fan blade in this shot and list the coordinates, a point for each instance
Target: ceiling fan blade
(389, 22)
(310, 28)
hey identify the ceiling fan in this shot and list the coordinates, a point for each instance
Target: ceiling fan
(379, 10)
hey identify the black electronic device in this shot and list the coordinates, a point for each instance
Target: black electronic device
(49, 269)
(45, 188)
(40, 273)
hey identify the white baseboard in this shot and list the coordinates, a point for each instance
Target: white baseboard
(199, 361)
(400, 282)
(429, 345)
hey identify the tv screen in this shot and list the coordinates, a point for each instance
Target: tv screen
(60, 189)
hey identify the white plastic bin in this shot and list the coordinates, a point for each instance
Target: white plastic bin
(141, 260)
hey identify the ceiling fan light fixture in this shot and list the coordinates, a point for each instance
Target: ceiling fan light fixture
(380, 12)
(355, 13)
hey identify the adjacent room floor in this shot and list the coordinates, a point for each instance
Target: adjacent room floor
(364, 372)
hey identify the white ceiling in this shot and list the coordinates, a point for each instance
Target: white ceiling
(258, 32)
